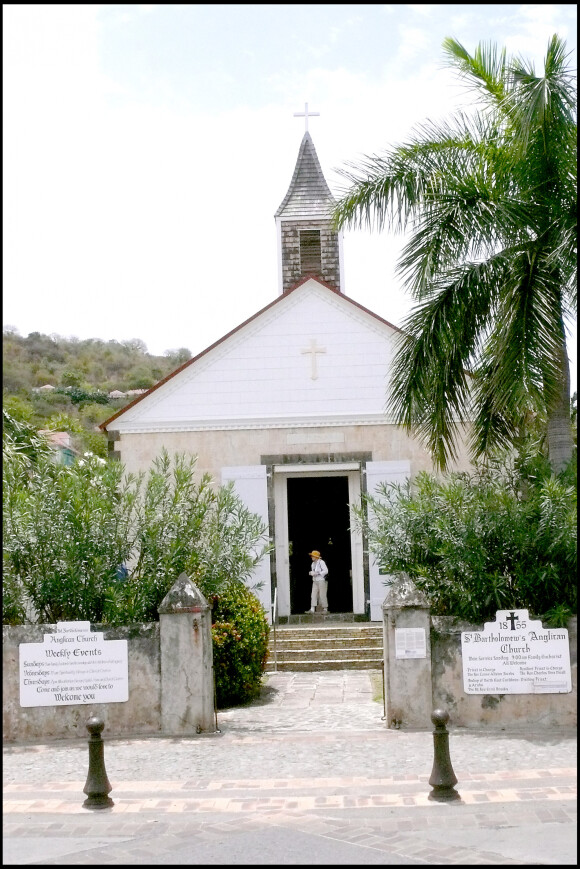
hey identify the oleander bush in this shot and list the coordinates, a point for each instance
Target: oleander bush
(498, 538)
(240, 633)
(67, 530)
(183, 524)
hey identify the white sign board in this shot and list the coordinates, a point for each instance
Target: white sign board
(514, 655)
(410, 643)
(73, 666)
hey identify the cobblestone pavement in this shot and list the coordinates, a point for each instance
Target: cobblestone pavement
(307, 774)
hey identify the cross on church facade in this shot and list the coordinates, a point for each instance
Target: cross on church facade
(313, 350)
(306, 114)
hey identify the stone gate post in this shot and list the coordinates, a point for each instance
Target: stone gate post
(407, 656)
(187, 686)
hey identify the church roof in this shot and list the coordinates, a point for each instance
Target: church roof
(308, 195)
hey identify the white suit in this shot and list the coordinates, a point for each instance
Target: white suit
(318, 572)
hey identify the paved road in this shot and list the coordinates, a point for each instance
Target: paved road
(306, 775)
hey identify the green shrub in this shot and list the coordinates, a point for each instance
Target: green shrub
(240, 644)
(78, 395)
(13, 598)
(66, 530)
(94, 442)
(185, 524)
(481, 542)
(19, 408)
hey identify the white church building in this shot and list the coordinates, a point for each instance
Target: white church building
(290, 406)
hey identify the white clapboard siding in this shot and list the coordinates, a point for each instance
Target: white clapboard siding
(261, 372)
(377, 473)
(250, 484)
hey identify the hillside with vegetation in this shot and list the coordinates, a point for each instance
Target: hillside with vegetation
(68, 384)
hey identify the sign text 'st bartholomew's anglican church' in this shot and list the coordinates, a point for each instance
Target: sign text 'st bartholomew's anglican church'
(514, 655)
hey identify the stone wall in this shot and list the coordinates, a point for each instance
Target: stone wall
(494, 710)
(417, 686)
(141, 714)
(171, 686)
(216, 449)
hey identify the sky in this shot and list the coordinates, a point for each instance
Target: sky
(147, 148)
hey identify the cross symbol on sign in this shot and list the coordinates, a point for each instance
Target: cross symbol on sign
(512, 618)
(313, 350)
(306, 114)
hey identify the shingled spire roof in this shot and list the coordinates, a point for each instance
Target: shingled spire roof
(308, 195)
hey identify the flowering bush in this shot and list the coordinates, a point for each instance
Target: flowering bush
(240, 644)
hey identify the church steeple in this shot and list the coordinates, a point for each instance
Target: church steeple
(307, 244)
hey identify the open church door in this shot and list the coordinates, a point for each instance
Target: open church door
(319, 518)
(382, 472)
(250, 484)
(312, 511)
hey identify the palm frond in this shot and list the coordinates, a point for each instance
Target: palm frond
(430, 384)
(379, 194)
(486, 69)
(521, 367)
(541, 108)
(495, 426)
(388, 189)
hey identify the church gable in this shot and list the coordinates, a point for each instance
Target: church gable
(314, 357)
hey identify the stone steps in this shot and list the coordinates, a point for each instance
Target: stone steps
(328, 646)
(336, 664)
(320, 618)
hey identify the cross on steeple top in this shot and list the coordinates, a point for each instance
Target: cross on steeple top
(306, 114)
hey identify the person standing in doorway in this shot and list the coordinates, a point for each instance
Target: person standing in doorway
(318, 572)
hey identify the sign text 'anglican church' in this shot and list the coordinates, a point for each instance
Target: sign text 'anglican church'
(73, 666)
(514, 655)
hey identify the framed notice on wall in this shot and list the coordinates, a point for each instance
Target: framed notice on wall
(410, 643)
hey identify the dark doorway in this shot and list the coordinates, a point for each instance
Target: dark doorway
(319, 518)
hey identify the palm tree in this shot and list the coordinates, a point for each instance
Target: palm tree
(490, 202)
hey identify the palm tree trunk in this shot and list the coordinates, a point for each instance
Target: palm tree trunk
(560, 442)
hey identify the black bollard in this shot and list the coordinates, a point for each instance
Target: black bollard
(97, 786)
(442, 776)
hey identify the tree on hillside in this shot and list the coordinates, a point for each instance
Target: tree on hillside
(179, 356)
(490, 202)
